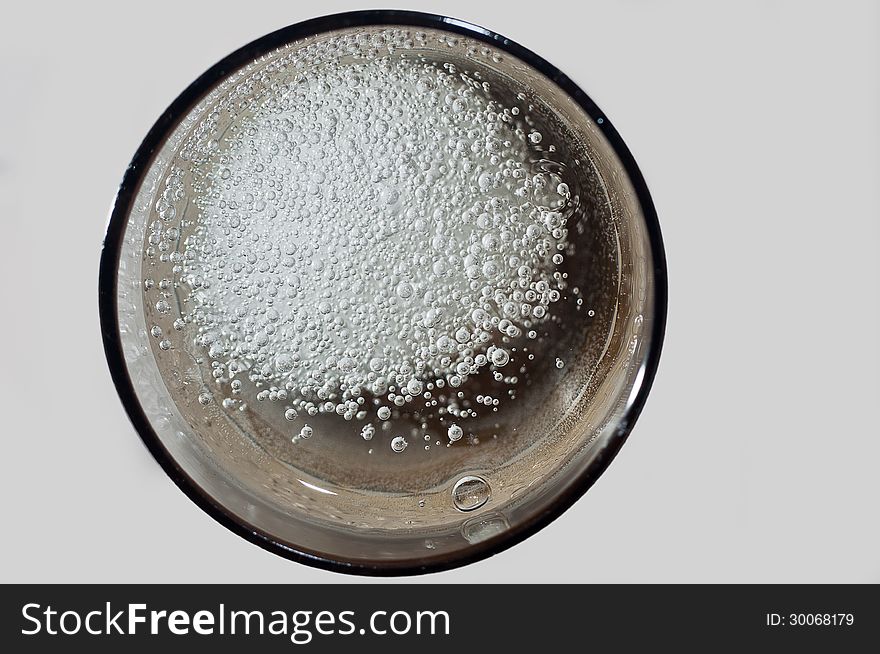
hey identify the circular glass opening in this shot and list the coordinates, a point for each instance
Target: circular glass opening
(381, 295)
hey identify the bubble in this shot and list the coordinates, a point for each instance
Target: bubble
(455, 433)
(559, 362)
(500, 357)
(398, 444)
(470, 493)
(383, 412)
(368, 432)
(290, 414)
(404, 290)
(305, 432)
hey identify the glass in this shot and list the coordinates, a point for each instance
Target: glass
(328, 503)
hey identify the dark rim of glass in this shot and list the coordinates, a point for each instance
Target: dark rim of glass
(107, 292)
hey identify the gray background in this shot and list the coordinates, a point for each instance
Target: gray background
(756, 126)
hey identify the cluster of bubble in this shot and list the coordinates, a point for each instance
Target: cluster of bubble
(369, 235)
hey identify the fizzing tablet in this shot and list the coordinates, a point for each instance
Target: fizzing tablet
(383, 292)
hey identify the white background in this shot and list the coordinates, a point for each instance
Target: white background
(756, 126)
